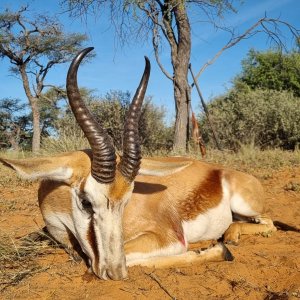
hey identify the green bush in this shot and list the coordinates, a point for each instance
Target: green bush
(264, 118)
(272, 70)
(110, 112)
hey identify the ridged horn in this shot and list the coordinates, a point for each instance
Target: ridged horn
(104, 157)
(131, 159)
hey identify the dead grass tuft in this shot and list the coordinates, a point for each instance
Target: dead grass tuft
(18, 259)
(66, 143)
(252, 158)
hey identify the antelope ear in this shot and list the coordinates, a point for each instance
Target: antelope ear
(159, 168)
(52, 168)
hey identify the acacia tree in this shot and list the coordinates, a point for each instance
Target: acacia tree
(167, 22)
(34, 46)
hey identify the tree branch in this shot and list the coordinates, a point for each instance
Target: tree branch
(155, 37)
(167, 21)
(232, 42)
(250, 32)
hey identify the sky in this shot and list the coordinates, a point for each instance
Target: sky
(116, 68)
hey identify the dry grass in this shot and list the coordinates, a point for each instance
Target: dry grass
(249, 159)
(252, 158)
(18, 258)
(292, 186)
(65, 143)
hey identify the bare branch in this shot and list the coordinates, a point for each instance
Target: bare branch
(263, 22)
(170, 35)
(157, 280)
(160, 4)
(155, 38)
(232, 42)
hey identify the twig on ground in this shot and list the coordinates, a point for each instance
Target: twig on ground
(18, 277)
(156, 279)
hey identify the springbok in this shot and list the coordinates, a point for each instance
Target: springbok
(174, 201)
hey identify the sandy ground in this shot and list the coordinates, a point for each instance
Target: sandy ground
(263, 268)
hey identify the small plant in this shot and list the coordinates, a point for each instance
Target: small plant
(292, 186)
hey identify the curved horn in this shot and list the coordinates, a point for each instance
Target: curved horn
(104, 157)
(131, 159)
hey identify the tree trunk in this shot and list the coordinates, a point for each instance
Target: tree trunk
(180, 62)
(14, 138)
(36, 139)
(181, 122)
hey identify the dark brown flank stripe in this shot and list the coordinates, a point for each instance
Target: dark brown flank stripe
(206, 195)
(91, 237)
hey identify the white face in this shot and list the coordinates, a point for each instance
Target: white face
(98, 226)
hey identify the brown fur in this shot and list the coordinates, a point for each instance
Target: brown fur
(207, 194)
(119, 187)
(247, 186)
(58, 195)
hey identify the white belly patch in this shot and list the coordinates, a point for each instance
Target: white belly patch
(209, 225)
(241, 207)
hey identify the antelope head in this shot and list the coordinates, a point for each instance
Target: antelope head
(99, 196)
(109, 186)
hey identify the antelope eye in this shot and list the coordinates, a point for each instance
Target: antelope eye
(86, 204)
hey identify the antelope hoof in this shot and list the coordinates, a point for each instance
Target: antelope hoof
(227, 254)
(232, 236)
(231, 239)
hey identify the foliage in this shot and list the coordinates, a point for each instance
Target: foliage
(155, 135)
(270, 70)
(14, 124)
(50, 108)
(16, 121)
(264, 118)
(110, 112)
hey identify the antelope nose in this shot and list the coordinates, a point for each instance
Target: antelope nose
(117, 273)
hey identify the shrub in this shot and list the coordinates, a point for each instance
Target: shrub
(110, 112)
(263, 118)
